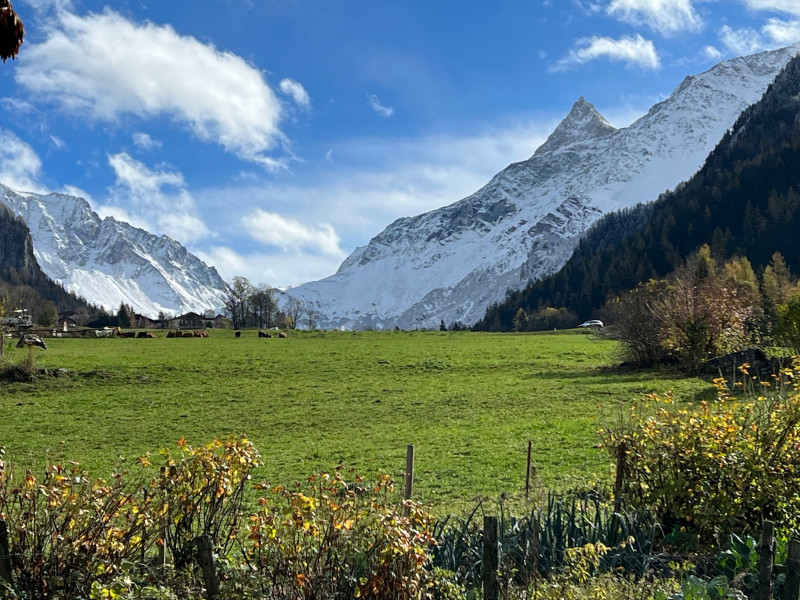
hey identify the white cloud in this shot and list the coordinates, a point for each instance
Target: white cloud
(20, 166)
(298, 93)
(281, 270)
(782, 32)
(143, 141)
(664, 16)
(791, 7)
(741, 41)
(635, 51)
(57, 142)
(103, 66)
(121, 214)
(711, 53)
(138, 196)
(292, 235)
(375, 104)
(137, 177)
(72, 190)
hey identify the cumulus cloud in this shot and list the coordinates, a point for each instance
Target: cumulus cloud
(280, 270)
(375, 104)
(292, 235)
(791, 7)
(103, 66)
(143, 141)
(712, 53)
(634, 51)
(293, 88)
(663, 16)
(20, 165)
(741, 41)
(153, 199)
(782, 32)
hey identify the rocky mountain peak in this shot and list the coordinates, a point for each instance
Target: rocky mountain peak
(583, 123)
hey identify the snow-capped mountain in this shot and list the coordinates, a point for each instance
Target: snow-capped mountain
(108, 262)
(450, 264)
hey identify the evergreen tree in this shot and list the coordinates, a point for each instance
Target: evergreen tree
(123, 317)
(520, 322)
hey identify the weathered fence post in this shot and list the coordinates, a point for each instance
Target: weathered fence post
(622, 450)
(793, 571)
(765, 560)
(6, 571)
(491, 559)
(208, 565)
(528, 473)
(409, 479)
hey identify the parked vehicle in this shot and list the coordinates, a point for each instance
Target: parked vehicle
(593, 323)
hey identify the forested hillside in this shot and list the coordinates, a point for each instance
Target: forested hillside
(743, 202)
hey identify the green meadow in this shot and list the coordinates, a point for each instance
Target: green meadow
(469, 402)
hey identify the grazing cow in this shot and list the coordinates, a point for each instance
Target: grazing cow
(146, 334)
(29, 339)
(264, 334)
(237, 335)
(282, 334)
(171, 334)
(126, 334)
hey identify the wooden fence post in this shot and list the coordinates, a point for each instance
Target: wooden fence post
(409, 479)
(793, 571)
(621, 465)
(491, 559)
(765, 561)
(528, 473)
(208, 565)
(6, 571)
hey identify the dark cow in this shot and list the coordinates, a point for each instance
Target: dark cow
(237, 335)
(282, 334)
(146, 334)
(264, 334)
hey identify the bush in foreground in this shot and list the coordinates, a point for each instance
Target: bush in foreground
(717, 467)
(136, 534)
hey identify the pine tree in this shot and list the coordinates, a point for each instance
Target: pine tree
(123, 318)
(520, 322)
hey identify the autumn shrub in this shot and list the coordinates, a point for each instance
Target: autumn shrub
(720, 466)
(135, 535)
(66, 530)
(200, 490)
(334, 539)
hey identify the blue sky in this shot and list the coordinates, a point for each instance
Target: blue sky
(272, 137)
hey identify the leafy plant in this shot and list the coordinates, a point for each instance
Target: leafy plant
(718, 467)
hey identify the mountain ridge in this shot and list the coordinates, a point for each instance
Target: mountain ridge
(725, 205)
(451, 263)
(109, 262)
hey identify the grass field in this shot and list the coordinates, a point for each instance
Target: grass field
(469, 403)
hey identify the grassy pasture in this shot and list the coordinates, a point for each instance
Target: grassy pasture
(468, 401)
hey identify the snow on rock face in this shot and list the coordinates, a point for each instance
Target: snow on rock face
(109, 262)
(451, 263)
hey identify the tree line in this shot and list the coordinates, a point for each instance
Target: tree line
(249, 305)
